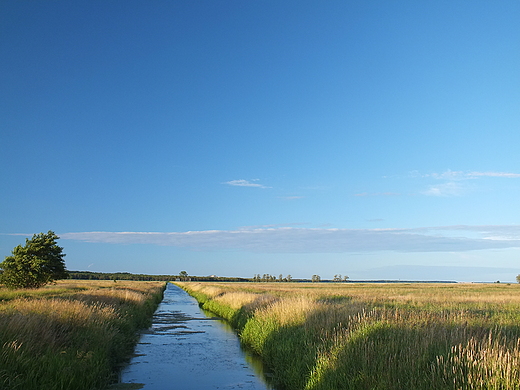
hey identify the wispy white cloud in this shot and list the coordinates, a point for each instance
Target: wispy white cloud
(495, 174)
(445, 189)
(445, 184)
(454, 182)
(245, 183)
(488, 232)
(448, 175)
(321, 240)
(461, 175)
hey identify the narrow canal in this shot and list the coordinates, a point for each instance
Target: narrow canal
(187, 349)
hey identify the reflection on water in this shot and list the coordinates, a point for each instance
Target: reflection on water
(186, 348)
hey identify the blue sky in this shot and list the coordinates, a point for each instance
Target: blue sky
(372, 139)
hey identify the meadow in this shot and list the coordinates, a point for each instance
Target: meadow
(72, 335)
(325, 336)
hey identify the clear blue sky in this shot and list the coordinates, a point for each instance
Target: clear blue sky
(375, 139)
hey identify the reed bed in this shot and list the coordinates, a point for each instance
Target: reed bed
(325, 336)
(72, 335)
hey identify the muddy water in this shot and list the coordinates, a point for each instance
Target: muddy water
(190, 350)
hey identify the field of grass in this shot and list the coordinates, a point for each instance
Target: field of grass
(72, 335)
(327, 336)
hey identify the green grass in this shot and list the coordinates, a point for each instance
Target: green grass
(376, 336)
(71, 336)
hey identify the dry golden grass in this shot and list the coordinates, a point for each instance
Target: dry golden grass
(481, 364)
(444, 294)
(290, 311)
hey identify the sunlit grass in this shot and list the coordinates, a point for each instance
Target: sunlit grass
(377, 336)
(71, 335)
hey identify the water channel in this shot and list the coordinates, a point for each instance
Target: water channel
(186, 348)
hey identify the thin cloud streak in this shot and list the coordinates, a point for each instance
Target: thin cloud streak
(454, 181)
(461, 175)
(495, 174)
(488, 232)
(446, 189)
(316, 240)
(244, 183)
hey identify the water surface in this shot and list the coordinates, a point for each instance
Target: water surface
(187, 349)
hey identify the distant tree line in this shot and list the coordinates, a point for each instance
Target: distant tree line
(183, 276)
(256, 278)
(289, 278)
(271, 278)
(88, 275)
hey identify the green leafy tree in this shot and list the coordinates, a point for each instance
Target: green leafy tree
(183, 275)
(34, 265)
(518, 278)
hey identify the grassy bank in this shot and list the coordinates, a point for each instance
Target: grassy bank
(72, 335)
(384, 336)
